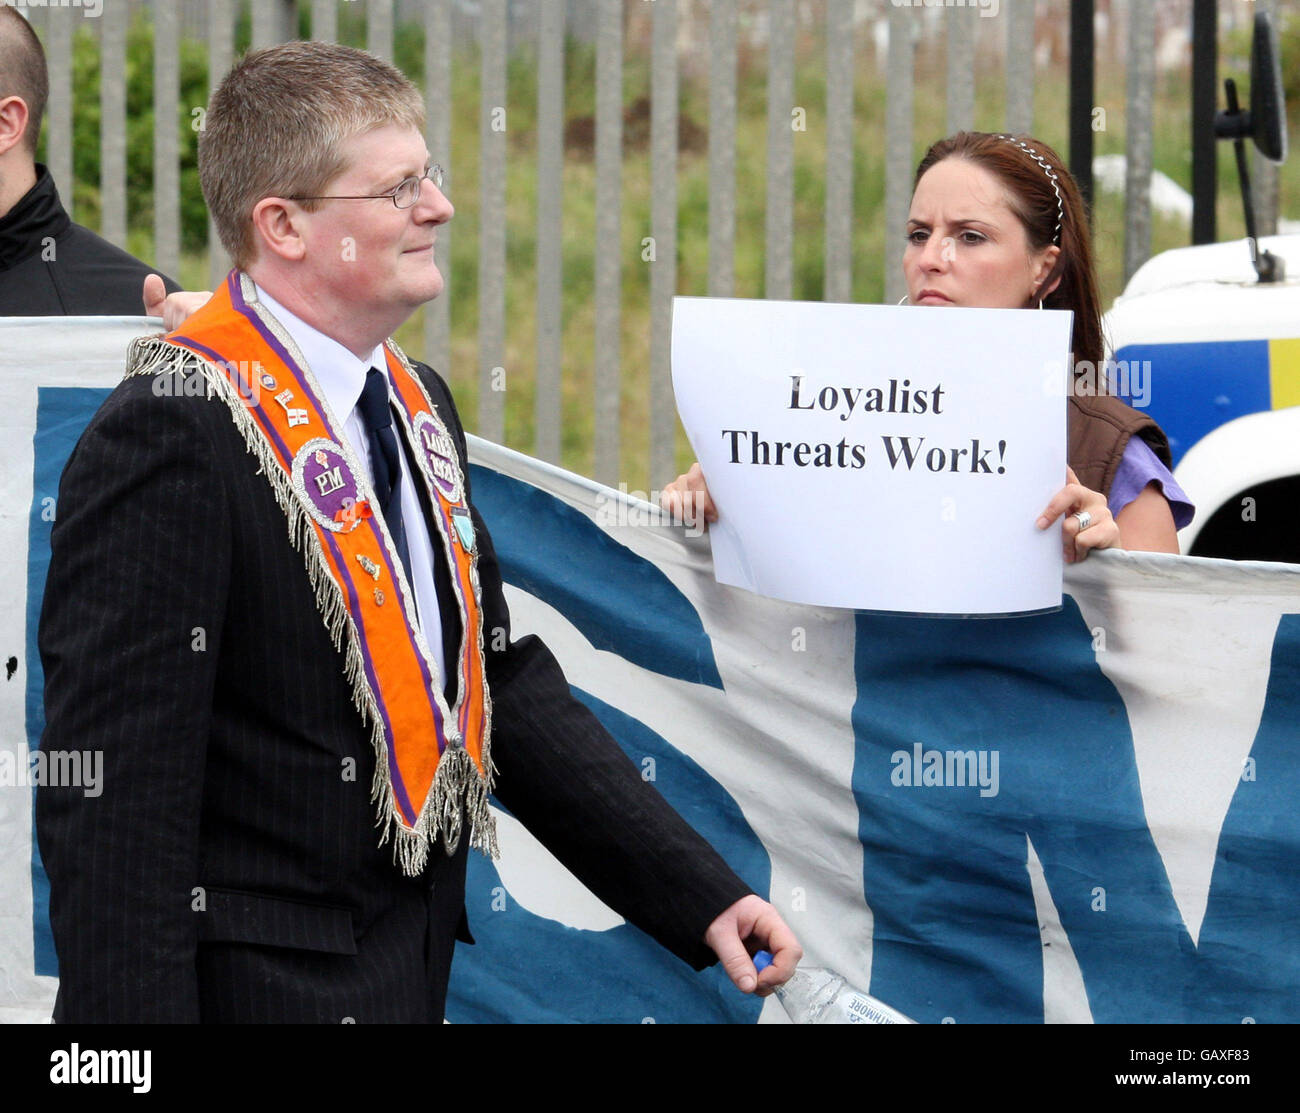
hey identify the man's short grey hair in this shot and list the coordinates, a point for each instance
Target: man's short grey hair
(22, 70)
(276, 125)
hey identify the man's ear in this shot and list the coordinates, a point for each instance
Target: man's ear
(276, 223)
(13, 122)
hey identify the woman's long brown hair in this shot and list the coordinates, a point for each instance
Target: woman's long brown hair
(1034, 201)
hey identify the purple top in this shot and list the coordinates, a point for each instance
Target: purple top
(1138, 467)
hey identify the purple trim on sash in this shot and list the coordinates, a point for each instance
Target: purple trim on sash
(453, 570)
(399, 787)
(242, 307)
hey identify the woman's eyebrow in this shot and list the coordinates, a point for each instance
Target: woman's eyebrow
(956, 222)
(961, 221)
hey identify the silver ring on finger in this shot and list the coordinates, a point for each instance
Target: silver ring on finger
(1084, 519)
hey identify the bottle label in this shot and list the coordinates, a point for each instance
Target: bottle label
(862, 1010)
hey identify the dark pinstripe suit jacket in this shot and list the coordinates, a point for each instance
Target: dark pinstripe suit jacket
(230, 869)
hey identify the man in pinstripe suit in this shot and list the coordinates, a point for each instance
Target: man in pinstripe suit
(238, 676)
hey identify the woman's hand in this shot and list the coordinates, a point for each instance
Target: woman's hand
(687, 499)
(1088, 523)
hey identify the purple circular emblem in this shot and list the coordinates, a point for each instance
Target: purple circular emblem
(326, 485)
(440, 454)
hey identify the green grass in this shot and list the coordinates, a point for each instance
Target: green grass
(1172, 155)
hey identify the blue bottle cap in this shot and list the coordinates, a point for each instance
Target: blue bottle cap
(762, 960)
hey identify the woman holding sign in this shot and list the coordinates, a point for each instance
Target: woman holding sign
(997, 222)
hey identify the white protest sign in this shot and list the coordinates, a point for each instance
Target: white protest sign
(879, 457)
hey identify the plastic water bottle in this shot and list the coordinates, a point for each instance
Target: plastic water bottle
(816, 996)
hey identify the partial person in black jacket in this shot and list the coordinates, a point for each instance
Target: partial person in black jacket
(49, 266)
(234, 672)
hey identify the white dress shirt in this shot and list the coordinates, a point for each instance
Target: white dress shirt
(342, 376)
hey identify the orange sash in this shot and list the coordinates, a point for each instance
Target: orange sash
(433, 768)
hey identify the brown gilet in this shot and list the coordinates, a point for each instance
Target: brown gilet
(1098, 429)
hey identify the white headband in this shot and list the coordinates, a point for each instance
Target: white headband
(1051, 177)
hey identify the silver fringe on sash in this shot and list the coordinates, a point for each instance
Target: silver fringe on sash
(459, 793)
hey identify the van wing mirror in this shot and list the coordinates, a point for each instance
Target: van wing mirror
(1267, 102)
(1265, 124)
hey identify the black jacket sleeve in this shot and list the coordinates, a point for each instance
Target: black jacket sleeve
(129, 637)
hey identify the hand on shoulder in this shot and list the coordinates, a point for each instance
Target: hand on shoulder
(175, 308)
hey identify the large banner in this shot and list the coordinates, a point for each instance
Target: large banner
(1083, 815)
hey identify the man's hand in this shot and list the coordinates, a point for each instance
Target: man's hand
(172, 308)
(752, 918)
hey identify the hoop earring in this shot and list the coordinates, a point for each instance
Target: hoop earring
(1040, 303)
(903, 300)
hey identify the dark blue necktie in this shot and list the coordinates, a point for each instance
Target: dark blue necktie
(385, 458)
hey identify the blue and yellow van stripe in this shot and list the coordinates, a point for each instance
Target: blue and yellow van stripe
(1191, 389)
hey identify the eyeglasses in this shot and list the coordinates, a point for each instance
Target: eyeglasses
(403, 195)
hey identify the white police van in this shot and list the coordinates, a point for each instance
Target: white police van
(1207, 341)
